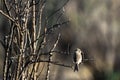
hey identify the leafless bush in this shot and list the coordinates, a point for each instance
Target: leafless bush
(27, 39)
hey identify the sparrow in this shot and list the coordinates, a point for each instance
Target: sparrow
(77, 58)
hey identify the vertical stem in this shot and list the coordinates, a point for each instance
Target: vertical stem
(20, 56)
(40, 19)
(34, 38)
(7, 54)
(34, 28)
(50, 58)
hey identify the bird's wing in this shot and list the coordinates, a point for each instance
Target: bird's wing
(74, 57)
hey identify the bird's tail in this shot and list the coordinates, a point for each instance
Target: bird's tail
(76, 67)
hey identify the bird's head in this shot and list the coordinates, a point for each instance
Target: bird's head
(78, 50)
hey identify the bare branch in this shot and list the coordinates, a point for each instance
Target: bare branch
(31, 4)
(53, 62)
(49, 29)
(26, 42)
(57, 10)
(7, 16)
(40, 19)
(50, 58)
(6, 6)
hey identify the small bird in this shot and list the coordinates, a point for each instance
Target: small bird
(77, 58)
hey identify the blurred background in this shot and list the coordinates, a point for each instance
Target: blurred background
(94, 28)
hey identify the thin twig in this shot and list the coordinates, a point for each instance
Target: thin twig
(52, 62)
(41, 70)
(7, 16)
(49, 29)
(10, 18)
(7, 54)
(57, 10)
(50, 58)
(34, 70)
(31, 4)
(6, 6)
(40, 19)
